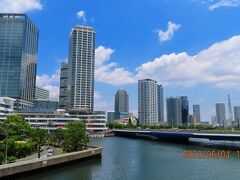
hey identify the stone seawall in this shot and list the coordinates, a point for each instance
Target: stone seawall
(37, 164)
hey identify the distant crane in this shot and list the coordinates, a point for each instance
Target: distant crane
(230, 115)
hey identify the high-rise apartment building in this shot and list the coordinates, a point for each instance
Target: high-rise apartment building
(18, 58)
(160, 104)
(220, 113)
(81, 65)
(236, 110)
(41, 93)
(63, 93)
(184, 109)
(196, 112)
(174, 111)
(148, 101)
(121, 101)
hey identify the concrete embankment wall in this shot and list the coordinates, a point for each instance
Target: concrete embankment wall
(37, 164)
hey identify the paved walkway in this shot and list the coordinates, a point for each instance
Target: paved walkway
(43, 154)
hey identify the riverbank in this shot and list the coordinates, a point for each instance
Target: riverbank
(15, 169)
(128, 159)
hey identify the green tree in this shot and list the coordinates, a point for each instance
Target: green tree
(15, 127)
(2, 157)
(75, 137)
(110, 125)
(59, 136)
(40, 137)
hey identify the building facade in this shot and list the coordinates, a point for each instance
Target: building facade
(121, 101)
(41, 93)
(18, 58)
(160, 104)
(63, 93)
(236, 110)
(81, 67)
(148, 102)
(174, 111)
(6, 106)
(196, 112)
(220, 113)
(184, 109)
(110, 116)
(47, 105)
(51, 120)
(214, 120)
(192, 120)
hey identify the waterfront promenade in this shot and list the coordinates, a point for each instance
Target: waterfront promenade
(47, 162)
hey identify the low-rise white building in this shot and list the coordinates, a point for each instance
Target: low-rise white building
(94, 122)
(6, 106)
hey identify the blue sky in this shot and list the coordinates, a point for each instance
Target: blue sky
(192, 47)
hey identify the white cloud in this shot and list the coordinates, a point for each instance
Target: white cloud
(99, 103)
(102, 55)
(19, 6)
(51, 83)
(215, 4)
(110, 73)
(218, 65)
(82, 15)
(224, 3)
(168, 34)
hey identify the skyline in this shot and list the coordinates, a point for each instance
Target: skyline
(184, 46)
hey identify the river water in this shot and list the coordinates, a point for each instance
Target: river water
(136, 159)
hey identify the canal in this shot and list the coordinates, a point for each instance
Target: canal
(135, 159)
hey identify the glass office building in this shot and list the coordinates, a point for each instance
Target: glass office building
(121, 101)
(196, 112)
(160, 104)
(174, 111)
(63, 95)
(220, 113)
(18, 57)
(185, 110)
(41, 93)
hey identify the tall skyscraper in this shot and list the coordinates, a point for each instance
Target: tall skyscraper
(148, 102)
(160, 104)
(41, 93)
(63, 94)
(81, 68)
(174, 111)
(184, 109)
(220, 113)
(196, 112)
(121, 101)
(237, 114)
(18, 58)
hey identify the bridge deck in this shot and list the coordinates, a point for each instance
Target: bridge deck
(181, 135)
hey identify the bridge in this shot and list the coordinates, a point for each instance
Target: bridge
(176, 135)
